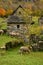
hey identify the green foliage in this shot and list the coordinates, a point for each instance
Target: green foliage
(34, 30)
(41, 37)
(18, 42)
(35, 8)
(3, 24)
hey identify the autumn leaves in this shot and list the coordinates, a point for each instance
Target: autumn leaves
(4, 12)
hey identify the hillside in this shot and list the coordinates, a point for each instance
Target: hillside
(12, 3)
(35, 6)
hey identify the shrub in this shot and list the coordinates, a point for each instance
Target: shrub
(8, 45)
(17, 43)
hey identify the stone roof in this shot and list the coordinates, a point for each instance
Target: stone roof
(15, 20)
(17, 9)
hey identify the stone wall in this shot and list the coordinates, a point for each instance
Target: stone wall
(17, 28)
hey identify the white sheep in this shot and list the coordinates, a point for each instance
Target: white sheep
(25, 49)
(1, 31)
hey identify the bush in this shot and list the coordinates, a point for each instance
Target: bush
(41, 37)
(8, 45)
(13, 44)
(17, 43)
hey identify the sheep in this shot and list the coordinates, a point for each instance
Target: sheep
(2, 48)
(5, 31)
(1, 32)
(25, 49)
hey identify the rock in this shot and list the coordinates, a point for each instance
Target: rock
(40, 45)
(2, 48)
(35, 47)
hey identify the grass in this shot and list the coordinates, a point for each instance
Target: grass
(3, 24)
(12, 57)
(5, 38)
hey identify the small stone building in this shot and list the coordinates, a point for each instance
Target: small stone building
(16, 22)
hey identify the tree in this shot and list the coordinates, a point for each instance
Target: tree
(39, 8)
(2, 12)
(9, 12)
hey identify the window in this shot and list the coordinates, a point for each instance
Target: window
(18, 26)
(19, 0)
(19, 12)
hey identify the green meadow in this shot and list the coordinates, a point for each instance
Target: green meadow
(12, 57)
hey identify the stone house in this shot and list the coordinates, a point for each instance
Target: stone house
(16, 22)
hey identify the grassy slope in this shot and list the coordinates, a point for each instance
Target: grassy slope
(13, 58)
